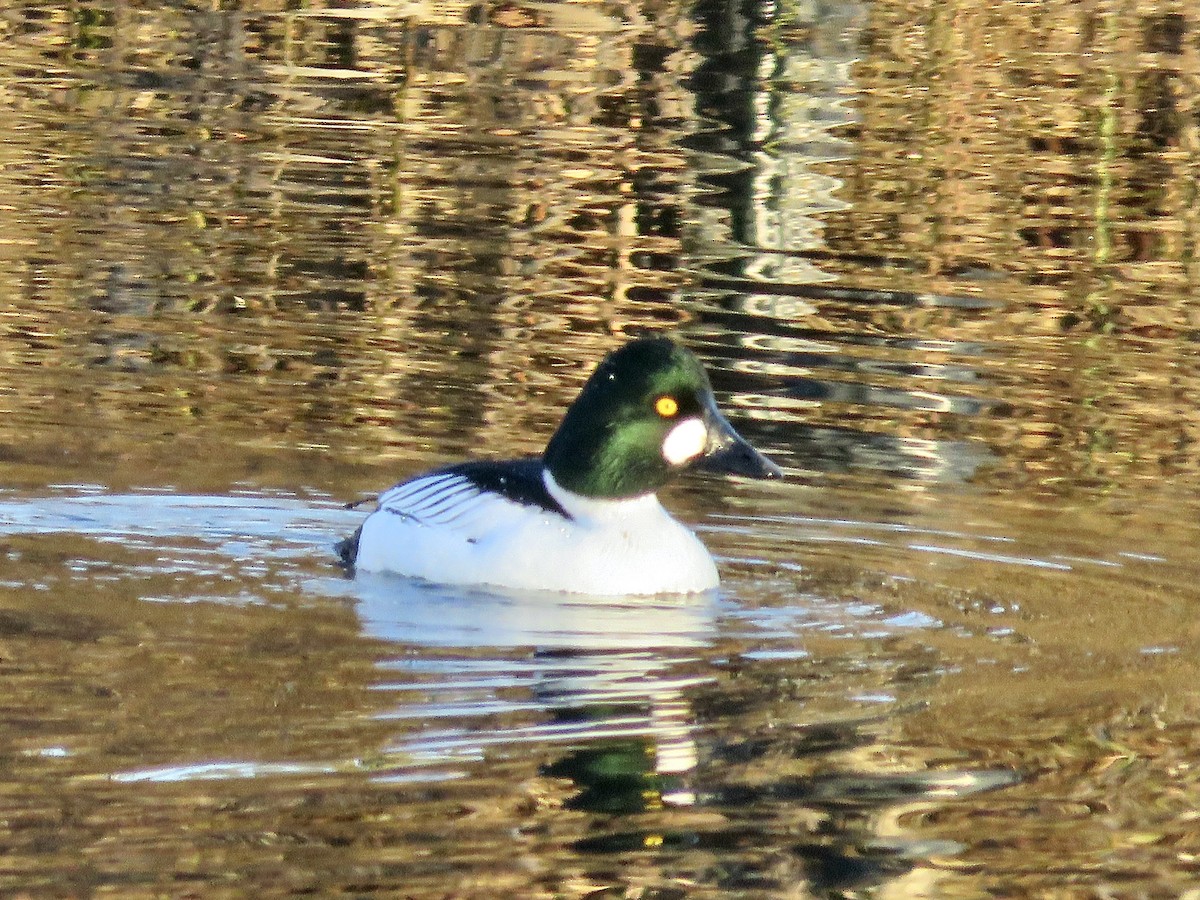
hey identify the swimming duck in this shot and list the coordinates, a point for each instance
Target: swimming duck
(583, 517)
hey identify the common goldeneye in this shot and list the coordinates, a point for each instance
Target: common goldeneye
(582, 518)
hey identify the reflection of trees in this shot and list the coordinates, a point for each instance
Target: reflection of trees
(293, 230)
(388, 213)
(1043, 161)
(1011, 232)
(1029, 139)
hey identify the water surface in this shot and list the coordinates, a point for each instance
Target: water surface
(261, 262)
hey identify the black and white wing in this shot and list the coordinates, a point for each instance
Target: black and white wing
(466, 502)
(444, 496)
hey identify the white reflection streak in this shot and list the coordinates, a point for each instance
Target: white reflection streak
(992, 557)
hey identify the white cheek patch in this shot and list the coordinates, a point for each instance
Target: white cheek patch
(685, 441)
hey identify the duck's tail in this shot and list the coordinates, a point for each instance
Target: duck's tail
(347, 550)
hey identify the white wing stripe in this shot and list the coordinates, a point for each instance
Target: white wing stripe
(433, 500)
(442, 505)
(453, 514)
(413, 490)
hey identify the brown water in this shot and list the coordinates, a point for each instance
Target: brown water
(942, 263)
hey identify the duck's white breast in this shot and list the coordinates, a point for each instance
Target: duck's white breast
(444, 529)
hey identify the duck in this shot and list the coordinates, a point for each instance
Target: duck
(584, 517)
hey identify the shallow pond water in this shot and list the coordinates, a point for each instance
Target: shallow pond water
(263, 260)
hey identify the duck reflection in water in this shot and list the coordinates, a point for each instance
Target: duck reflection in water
(602, 670)
(615, 684)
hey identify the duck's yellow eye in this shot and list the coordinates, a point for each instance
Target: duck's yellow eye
(666, 407)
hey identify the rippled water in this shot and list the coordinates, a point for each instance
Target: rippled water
(259, 262)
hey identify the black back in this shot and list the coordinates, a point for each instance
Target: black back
(518, 480)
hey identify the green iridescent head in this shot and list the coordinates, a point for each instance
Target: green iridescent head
(646, 414)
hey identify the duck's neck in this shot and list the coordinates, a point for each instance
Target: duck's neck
(584, 508)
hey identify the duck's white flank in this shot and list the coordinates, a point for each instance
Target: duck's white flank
(443, 528)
